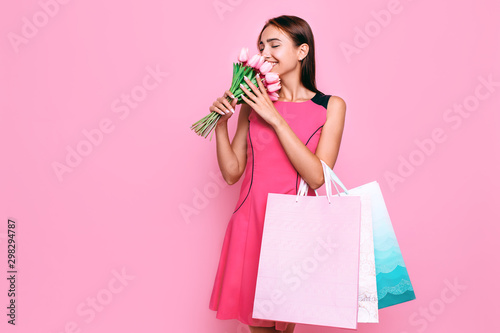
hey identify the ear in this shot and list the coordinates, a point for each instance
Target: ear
(303, 51)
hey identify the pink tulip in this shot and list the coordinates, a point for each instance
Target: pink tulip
(274, 87)
(261, 61)
(265, 68)
(254, 60)
(243, 57)
(272, 77)
(273, 96)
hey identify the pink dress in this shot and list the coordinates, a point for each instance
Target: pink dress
(268, 170)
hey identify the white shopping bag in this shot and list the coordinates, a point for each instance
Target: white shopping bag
(367, 299)
(309, 260)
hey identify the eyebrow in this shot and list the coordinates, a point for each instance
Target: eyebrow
(270, 39)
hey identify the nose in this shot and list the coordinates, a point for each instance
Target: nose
(266, 57)
(265, 54)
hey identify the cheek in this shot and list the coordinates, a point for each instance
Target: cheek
(283, 58)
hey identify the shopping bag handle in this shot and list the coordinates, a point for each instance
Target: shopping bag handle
(333, 177)
(329, 177)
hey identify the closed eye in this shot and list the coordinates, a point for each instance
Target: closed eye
(271, 46)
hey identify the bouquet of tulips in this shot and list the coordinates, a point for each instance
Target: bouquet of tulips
(248, 68)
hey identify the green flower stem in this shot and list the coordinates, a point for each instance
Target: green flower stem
(205, 125)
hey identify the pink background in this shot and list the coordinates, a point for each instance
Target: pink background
(119, 210)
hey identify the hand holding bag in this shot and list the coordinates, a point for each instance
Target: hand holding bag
(309, 260)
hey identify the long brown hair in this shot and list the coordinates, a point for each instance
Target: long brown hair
(299, 32)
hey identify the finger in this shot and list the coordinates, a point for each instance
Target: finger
(229, 93)
(248, 92)
(216, 109)
(248, 101)
(261, 85)
(252, 86)
(221, 108)
(228, 105)
(224, 105)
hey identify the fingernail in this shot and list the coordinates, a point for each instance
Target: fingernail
(241, 85)
(232, 96)
(245, 77)
(258, 76)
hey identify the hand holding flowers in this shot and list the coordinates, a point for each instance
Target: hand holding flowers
(259, 100)
(246, 87)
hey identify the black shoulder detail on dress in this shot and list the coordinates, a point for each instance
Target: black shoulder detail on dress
(321, 99)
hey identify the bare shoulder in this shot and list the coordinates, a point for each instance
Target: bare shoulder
(336, 106)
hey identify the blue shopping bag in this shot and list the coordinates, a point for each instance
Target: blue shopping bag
(393, 282)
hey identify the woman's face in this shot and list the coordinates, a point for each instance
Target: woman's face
(276, 47)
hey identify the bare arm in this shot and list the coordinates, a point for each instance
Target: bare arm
(305, 162)
(232, 156)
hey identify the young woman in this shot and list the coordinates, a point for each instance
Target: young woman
(276, 143)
